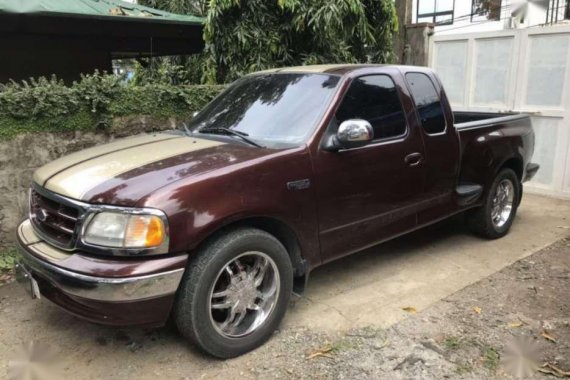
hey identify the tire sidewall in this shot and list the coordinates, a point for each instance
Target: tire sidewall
(222, 252)
(512, 177)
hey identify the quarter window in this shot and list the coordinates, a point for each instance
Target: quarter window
(374, 98)
(427, 102)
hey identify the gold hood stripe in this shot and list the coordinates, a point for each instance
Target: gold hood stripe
(77, 180)
(45, 172)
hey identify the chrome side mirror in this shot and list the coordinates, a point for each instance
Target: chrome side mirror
(354, 133)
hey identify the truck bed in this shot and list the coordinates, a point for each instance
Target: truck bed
(486, 138)
(465, 120)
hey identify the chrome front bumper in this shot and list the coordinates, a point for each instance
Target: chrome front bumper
(41, 260)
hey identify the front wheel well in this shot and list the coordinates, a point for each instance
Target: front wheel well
(287, 236)
(280, 230)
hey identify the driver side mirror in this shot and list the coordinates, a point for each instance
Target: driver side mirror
(354, 133)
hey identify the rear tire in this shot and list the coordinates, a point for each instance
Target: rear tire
(494, 219)
(234, 293)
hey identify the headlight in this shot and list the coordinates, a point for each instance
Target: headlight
(123, 230)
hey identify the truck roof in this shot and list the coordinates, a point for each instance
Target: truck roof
(339, 68)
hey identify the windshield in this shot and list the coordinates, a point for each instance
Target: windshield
(274, 110)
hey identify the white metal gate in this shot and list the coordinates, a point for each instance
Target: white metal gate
(525, 70)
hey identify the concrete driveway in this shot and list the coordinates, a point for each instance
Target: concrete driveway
(370, 288)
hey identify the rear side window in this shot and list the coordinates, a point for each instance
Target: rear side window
(427, 102)
(375, 99)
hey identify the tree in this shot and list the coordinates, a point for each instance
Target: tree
(249, 35)
(242, 36)
(193, 7)
(489, 8)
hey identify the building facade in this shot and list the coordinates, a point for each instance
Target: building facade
(472, 16)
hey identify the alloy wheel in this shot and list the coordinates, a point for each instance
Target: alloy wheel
(244, 294)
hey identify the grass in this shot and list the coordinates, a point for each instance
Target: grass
(490, 358)
(7, 259)
(463, 369)
(452, 343)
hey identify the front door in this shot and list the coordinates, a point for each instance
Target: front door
(372, 193)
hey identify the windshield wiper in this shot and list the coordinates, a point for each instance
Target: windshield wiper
(186, 129)
(231, 132)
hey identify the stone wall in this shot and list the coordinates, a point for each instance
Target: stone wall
(20, 156)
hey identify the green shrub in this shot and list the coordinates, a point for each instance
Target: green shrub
(50, 105)
(164, 100)
(37, 98)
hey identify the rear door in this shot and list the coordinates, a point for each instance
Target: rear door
(441, 142)
(369, 194)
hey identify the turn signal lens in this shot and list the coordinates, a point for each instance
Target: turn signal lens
(144, 231)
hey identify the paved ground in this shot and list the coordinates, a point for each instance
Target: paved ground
(421, 268)
(366, 290)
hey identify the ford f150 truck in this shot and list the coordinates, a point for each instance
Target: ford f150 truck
(217, 223)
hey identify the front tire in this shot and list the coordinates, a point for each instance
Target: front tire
(494, 219)
(235, 292)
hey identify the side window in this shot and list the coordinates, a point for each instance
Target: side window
(375, 99)
(427, 102)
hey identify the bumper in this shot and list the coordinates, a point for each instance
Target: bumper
(116, 292)
(531, 170)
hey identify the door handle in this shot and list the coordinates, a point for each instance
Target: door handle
(414, 159)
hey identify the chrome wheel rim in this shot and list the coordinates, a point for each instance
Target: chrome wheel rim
(244, 294)
(502, 203)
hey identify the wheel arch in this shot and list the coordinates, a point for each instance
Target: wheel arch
(514, 163)
(282, 232)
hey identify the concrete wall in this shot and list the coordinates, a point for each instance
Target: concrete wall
(523, 70)
(19, 157)
(416, 49)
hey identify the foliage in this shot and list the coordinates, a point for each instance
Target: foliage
(7, 259)
(452, 342)
(242, 36)
(490, 358)
(193, 7)
(249, 35)
(97, 91)
(176, 70)
(47, 97)
(489, 8)
(50, 105)
(163, 100)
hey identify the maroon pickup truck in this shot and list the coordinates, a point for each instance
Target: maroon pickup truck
(216, 224)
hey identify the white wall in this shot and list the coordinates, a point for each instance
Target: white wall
(464, 24)
(525, 70)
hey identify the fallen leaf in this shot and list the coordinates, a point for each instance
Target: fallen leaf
(477, 309)
(547, 336)
(321, 352)
(551, 369)
(515, 324)
(410, 309)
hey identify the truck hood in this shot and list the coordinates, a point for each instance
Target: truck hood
(124, 171)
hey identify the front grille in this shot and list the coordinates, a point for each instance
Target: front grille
(53, 219)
